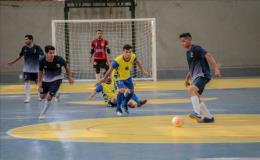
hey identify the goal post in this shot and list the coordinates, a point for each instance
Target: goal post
(72, 40)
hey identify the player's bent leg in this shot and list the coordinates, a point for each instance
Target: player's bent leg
(97, 66)
(53, 88)
(39, 94)
(138, 101)
(46, 105)
(120, 100)
(27, 91)
(193, 92)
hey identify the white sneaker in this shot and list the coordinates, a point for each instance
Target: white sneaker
(57, 97)
(27, 100)
(118, 113)
(41, 117)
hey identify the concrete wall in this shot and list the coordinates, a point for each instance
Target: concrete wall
(227, 28)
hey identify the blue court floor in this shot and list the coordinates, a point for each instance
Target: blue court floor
(65, 133)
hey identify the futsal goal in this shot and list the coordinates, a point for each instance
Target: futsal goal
(72, 40)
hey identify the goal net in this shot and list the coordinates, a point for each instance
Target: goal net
(72, 40)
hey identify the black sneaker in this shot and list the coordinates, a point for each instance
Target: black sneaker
(207, 120)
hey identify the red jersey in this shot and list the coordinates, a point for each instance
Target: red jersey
(99, 46)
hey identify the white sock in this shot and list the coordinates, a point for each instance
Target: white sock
(205, 110)
(27, 89)
(196, 104)
(46, 105)
(98, 76)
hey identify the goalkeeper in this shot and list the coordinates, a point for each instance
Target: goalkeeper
(100, 54)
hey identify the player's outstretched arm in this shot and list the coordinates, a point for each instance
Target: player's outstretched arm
(139, 64)
(92, 95)
(68, 72)
(15, 60)
(213, 64)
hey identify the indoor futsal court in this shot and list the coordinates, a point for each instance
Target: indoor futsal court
(130, 80)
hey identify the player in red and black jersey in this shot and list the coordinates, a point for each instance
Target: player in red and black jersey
(100, 54)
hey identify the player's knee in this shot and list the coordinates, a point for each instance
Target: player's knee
(192, 90)
(50, 96)
(122, 90)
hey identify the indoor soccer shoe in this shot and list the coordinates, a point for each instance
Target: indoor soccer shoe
(207, 120)
(195, 116)
(42, 116)
(27, 100)
(119, 112)
(143, 102)
(126, 110)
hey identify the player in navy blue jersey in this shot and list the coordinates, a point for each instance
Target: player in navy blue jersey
(50, 76)
(31, 53)
(199, 72)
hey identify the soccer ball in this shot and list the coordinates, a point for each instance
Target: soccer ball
(177, 121)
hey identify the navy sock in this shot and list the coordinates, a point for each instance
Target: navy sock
(120, 100)
(127, 98)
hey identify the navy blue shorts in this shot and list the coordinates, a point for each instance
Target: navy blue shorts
(200, 82)
(27, 76)
(51, 87)
(125, 83)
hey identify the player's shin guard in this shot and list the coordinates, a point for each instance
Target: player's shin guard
(120, 99)
(27, 90)
(196, 104)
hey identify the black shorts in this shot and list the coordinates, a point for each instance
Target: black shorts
(100, 64)
(27, 76)
(200, 82)
(51, 87)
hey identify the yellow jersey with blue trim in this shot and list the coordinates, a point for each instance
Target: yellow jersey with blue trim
(108, 90)
(122, 67)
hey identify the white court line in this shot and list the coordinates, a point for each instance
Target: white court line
(229, 158)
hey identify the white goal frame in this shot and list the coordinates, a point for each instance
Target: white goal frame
(153, 30)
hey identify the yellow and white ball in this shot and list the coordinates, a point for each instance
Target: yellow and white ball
(177, 121)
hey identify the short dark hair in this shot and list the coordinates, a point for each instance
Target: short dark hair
(127, 47)
(48, 48)
(99, 30)
(186, 35)
(30, 37)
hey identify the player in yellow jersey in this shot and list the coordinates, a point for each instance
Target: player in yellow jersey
(109, 93)
(122, 64)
